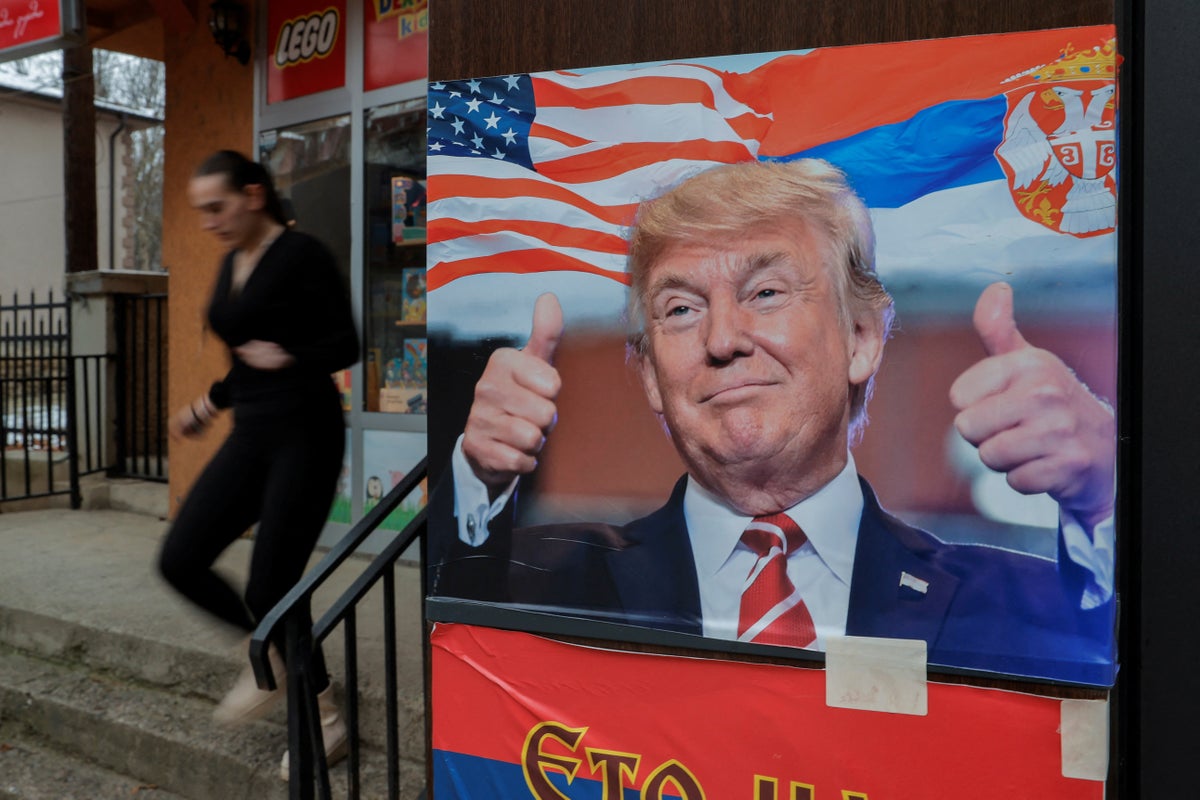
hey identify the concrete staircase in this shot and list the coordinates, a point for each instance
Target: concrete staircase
(108, 681)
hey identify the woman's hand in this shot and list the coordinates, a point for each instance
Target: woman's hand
(264, 355)
(191, 421)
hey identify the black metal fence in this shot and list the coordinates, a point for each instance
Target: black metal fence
(37, 393)
(140, 323)
(65, 415)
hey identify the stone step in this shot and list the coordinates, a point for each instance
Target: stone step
(148, 734)
(123, 655)
(30, 769)
(201, 666)
(190, 671)
(80, 600)
(150, 498)
(159, 738)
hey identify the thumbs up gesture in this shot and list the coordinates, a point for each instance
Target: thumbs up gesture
(514, 408)
(1033, 419)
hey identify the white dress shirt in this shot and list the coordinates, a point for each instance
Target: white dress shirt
(1095, 551)
(820, 570)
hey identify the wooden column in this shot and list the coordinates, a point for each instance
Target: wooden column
(79, 160)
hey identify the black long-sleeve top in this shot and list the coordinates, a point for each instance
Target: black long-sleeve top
(296, 298)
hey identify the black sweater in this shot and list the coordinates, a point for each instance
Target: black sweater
(296, 298)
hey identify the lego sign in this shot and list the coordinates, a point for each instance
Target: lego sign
(32, 26)
(308, 48)
(395, 42)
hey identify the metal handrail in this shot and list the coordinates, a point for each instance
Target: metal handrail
(307, 761)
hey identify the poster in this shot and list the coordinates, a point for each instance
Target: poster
(517, 716)
(387, 458)
(341, 510)
(974, 509)
(308, 48)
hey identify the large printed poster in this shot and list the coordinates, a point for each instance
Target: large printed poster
(565, 722)
(784, 347)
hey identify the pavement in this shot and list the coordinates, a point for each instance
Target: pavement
(85, 582)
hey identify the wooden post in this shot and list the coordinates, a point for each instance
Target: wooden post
(79, 160)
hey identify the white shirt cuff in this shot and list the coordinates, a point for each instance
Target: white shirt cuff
(471, 506)
(1095, 552)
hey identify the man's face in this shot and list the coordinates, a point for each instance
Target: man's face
(750, 363)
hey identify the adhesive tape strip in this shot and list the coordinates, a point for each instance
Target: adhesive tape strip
(872, 674)
(1084, 731)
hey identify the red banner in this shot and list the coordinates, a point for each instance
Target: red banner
(395, 42)
(25, 22)
(518, 716)
(308, 48)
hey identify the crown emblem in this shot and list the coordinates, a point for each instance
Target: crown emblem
(1059, 150)
(1073, 65)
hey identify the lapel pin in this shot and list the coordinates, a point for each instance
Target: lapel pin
(914, 583)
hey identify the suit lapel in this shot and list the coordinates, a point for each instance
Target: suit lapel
(655, 575)
(896, 590)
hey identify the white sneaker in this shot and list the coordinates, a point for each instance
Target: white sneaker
(246, 702)
(334, 735)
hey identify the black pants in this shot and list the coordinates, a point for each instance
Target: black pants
(279, 470)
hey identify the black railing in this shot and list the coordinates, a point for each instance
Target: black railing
(37, 400)
(140, 322)
(305, 744)
(92, 446)
(58, 409)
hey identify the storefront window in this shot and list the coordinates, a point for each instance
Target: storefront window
(343, 133)
(311, 167)
(394, 285)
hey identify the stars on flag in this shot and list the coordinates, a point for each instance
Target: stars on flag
(482, 118)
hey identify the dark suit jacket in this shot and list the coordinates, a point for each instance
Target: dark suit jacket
(984, 608)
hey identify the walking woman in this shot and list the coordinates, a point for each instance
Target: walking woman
(281, 307)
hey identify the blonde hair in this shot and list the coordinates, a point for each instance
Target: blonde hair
(729, 200)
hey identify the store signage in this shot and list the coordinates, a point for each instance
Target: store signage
(307, 37)
(308, 48)
(32, 26)
(519, 716)
(395, 42)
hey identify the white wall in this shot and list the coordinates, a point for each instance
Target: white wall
(31, 196)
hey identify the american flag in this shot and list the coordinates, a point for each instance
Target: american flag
(543, 172)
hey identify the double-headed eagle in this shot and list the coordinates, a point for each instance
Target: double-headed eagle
(1081, 150)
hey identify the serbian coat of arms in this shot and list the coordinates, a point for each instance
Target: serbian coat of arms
(1060, 142)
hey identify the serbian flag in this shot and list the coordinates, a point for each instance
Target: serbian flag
(990, 154)
(520, 717)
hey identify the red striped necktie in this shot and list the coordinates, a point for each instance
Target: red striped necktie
(771, 610)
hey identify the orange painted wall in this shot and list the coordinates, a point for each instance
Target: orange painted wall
(210, 106)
